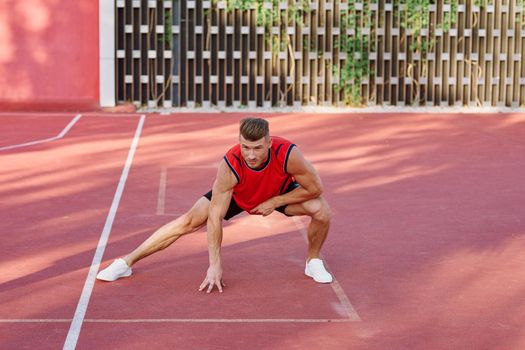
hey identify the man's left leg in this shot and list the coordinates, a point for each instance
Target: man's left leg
(320, 214)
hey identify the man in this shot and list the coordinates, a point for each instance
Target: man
(259, 175)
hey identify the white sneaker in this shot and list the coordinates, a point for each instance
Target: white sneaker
(315, 269)
(118, 268)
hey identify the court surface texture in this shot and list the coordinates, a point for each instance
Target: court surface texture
(426, 244)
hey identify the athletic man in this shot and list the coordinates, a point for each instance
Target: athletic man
(259, 175)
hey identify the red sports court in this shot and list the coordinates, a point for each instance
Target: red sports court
(425, 244)
(115, 115)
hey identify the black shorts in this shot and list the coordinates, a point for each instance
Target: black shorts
(234, 209)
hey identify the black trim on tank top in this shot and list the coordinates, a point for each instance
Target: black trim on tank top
(238, 159)
(232, 169)
(278, 148)
(286, 158)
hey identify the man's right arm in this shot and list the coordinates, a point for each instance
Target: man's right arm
(221, 196)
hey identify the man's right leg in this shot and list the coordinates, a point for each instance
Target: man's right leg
(189, 222)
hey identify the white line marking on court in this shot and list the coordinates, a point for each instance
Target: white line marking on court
(35, 320)
(338, 290)
(80, 312)
(65, 114)
(184, 320)
(37, 142)
(220, 320)
(161, 205)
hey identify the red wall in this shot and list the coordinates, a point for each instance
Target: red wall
(49, 55)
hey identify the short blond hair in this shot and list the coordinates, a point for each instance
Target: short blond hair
(253, 129)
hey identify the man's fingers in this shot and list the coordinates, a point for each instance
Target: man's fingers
(210, 284)
(257, 210)
(203, 285)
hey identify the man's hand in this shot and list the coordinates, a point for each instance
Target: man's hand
(213, 278)
(264, 209)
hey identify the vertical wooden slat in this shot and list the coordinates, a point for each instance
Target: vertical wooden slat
(457, 58)
(474, 56)
(252, 57)
(176, 52)
(280, 83)
(490, 56)
(259, 63)
(313, 55)
(221, 60)
(502, 24)
(120, 40)
(335, 52)
(321, 38)
(432, 97)
(387, 53)
(379, 71)
(138, 44)
(449, 66)
(374, 66)
(199, 44)
(394, 58)
(159, 60)
(482, 49)
(305, 80)
(518, 71)
(508, 48)
(191, 53)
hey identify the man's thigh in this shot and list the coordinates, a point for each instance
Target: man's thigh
(309, 207)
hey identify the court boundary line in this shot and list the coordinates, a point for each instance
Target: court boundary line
(181, 320)
(336, 286)
(80, 312)
(53, 114)
(161, 199)
(49, 139)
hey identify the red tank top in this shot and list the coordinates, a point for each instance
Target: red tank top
(256, 186)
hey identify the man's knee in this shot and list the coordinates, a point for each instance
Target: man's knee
(319, 210)
(196, 216)
(190, 221)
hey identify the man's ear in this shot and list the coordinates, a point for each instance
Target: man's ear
(270, 143)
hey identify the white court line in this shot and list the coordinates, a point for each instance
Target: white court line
(37, 142)
(65, 114)
(35, 320)
(161, 200)
(338, 290)
(80, 312)
(222, 320)
(184, 320)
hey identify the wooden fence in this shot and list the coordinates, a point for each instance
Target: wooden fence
(328, 53)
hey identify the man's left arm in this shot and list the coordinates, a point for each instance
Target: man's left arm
(305, 175)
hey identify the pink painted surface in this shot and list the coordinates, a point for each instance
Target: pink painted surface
(19, 129)
(427, 238)
(49, 54)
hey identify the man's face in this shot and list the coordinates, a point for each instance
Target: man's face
(255, 153)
